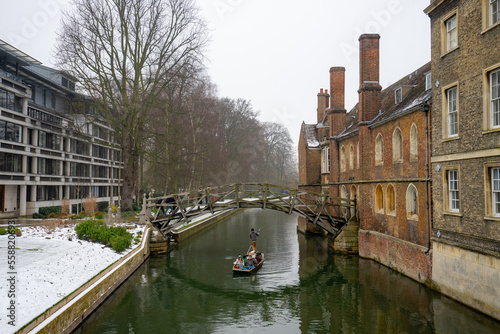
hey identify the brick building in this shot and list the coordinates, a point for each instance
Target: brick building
(465, 159)
(378, 152)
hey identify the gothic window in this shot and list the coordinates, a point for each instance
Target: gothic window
(413, 142)
(379, 150)
(411, 201)
(397, 145)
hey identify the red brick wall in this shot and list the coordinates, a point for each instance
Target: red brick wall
(404, 257)
(309, 163)
(399, 175)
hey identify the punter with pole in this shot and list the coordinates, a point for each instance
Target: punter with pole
(253, 238)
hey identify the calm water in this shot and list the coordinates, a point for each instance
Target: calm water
(300, 289)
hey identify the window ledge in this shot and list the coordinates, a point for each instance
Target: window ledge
(392, 213)
(378, 164)
(380, 212)
(492, 130)
(449, 51)
(412, 218)
(496, 219)
(451, 139)
(398, 161)
(493, 26)
(450, 213)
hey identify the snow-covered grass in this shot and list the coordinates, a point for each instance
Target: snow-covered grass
(50, 263)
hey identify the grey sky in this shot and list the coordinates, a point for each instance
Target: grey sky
(275, 53)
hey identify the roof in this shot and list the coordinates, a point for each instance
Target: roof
(49, 73)
(416, 96)
(311, 135)
(15, 54)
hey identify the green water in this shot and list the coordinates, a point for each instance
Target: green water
(300, 289)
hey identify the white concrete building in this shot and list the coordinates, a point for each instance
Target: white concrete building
(46, 153)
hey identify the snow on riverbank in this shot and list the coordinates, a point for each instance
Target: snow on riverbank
(50, 263)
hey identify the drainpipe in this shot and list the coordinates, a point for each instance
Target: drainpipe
(425, 109)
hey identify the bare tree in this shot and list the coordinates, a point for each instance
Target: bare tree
(125, 53)
(278, 154)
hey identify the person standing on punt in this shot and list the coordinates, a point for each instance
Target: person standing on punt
(253, 238)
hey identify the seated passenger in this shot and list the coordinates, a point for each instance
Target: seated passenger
(250, 261)
(258, 257)
(239, 262)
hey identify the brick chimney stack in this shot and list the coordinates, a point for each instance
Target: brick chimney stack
(322, 104)
(369, 85)
(337, 97)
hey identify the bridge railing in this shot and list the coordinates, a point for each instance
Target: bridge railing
(331, 213)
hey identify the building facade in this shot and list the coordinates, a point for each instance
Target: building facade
(378, 153)
(46, 153)
(465, 159)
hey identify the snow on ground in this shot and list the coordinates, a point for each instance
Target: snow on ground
(50, 263)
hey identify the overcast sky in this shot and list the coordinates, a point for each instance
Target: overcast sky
(275, 53)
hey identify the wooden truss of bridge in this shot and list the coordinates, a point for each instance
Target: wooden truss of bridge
(167, 213)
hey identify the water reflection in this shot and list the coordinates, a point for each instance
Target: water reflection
(302, 288)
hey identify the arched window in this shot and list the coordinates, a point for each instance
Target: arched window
(397, 145)
(411, 201)
(351, 157)
(379, 199)
(342, 159)
(343, 194)
(413, 142)
(353, 196)
(357, 156)
(391, 200)
(379, 149)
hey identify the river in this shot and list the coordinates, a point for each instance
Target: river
(302, 288)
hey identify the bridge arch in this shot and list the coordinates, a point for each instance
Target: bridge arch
(166, 213)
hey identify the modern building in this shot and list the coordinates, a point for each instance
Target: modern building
(46, 152)
(465, 44)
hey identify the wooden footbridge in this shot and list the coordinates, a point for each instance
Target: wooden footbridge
(167, 213)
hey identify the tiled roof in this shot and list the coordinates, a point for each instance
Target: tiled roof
(415, 82)
(415, 97)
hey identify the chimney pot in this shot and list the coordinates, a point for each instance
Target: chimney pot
(321, 90)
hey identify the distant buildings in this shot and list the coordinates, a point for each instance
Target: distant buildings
(43, 158)
(422, 156)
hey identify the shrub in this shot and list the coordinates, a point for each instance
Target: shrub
(65, 207)
(119, 243)
(52, 215)
(37, 215)
(136, 207)
(89, 205)
(45, 211)
(3, 231)
(117, 237)
(98, 215)
(102, 206)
